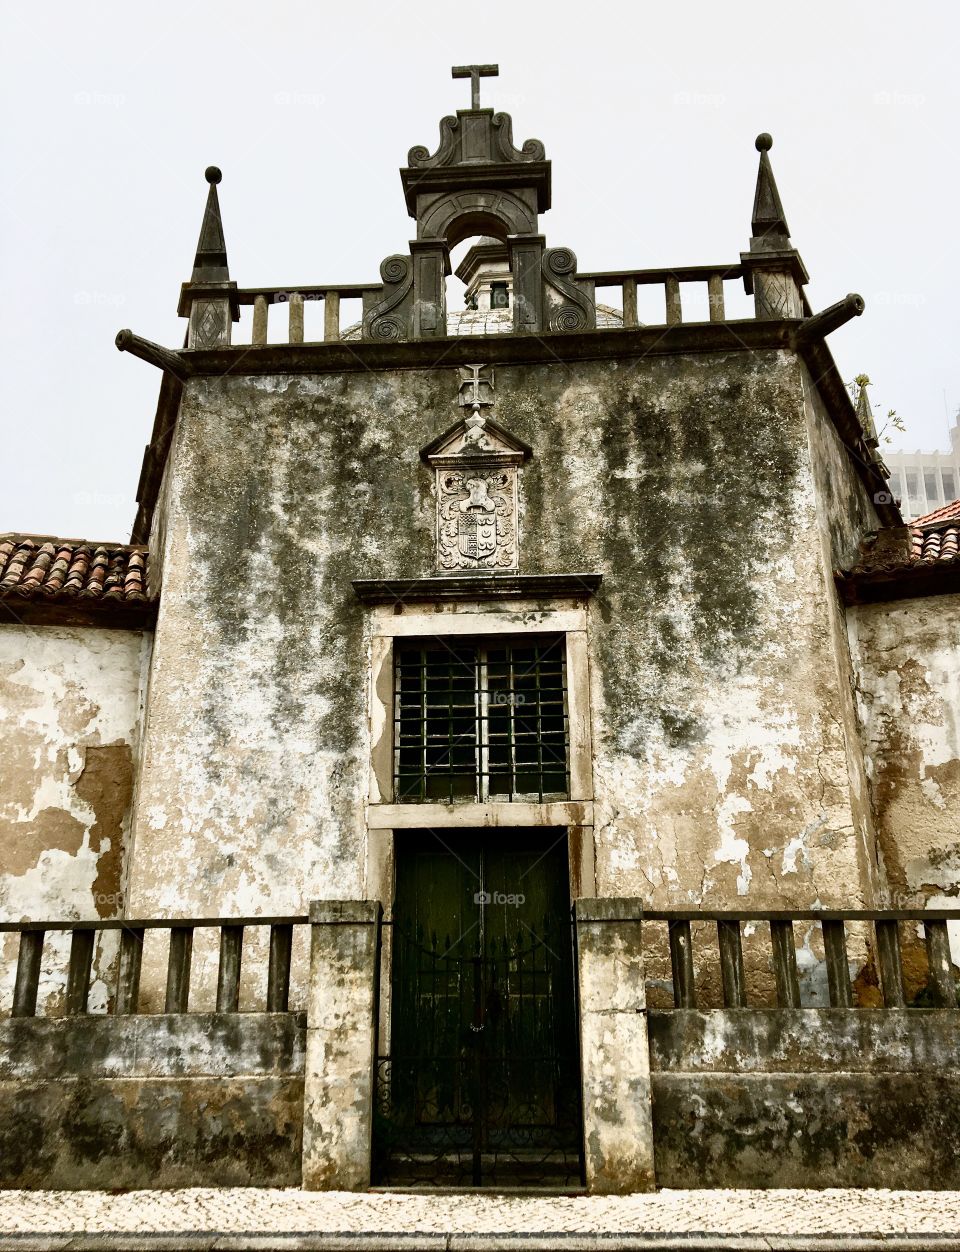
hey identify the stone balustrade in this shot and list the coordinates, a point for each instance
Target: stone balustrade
(879, 935)
(83, 938)
(625, 282)
(830, 1035)
(295, 298)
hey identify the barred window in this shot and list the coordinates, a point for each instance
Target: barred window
(481, 719)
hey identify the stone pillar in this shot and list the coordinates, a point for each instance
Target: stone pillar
(526, 254)
(212, 309)
(431, 265)
(775, 280)
(339, 1077)
(614, 1052)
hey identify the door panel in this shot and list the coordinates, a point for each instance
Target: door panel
(480, 1082)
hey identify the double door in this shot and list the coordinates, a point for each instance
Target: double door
(479, 1080)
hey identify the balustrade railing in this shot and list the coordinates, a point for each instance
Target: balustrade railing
(295, 299)
(129, 959)
(693, 956)
(670, 280)
(627, 282)
(879, 928)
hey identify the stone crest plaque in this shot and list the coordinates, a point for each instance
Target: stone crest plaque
(476, 465)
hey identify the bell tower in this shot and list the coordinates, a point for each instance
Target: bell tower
(477, 183)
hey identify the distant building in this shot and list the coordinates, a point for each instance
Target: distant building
(924, 481)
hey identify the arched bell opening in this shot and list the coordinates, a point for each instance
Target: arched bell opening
(476, 225)
(463, 214)
(480, 288)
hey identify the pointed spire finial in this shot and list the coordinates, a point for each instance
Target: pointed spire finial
(773, 271)
(210, 299)
(210, 264)
(865, 412)
(769, 220)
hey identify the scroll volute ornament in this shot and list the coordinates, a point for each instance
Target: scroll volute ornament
(568, 303)
(389, 317)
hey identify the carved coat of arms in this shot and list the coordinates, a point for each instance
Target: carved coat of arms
(476, 464)
(476, 520)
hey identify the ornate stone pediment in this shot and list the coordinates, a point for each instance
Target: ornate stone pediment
(468, 440)
(474, 136)
(476, 463)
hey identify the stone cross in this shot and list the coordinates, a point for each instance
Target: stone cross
(475, 73)
(475, 391)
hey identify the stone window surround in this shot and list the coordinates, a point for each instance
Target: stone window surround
(514, 618)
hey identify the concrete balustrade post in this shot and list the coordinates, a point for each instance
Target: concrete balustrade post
(339, 1076)
(614, 1049)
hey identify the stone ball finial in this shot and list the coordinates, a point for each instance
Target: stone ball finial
(213, 175)
(764, 142)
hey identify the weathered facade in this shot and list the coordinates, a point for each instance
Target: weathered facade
(433, 628)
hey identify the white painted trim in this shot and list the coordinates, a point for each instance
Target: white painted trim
(519, 620)
(496, 813)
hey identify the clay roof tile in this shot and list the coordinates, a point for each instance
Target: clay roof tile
(37, 567)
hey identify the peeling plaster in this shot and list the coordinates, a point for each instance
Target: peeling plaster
(68, 727)
(907, 656)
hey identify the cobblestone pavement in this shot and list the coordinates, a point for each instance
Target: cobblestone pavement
(255, 1211)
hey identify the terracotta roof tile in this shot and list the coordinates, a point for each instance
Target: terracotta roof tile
(948, 513)
(33, 567)
(935, 537)
(917, 559)
(934, 546)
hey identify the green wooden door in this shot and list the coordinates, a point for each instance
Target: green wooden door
(480, 1082)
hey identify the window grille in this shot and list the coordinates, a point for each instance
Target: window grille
(481, 720)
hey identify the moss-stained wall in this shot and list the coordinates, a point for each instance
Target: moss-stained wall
(720, 765)
(907, 657)
(69, 704)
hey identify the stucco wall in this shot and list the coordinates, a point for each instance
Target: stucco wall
(907, 655)
(845, 514)
(720, 765)
(69, 701)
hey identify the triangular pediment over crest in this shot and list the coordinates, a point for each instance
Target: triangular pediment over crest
(467, 441)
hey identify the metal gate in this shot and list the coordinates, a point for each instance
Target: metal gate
(478, 1081)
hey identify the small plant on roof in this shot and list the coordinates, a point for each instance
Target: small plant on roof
(893, 422)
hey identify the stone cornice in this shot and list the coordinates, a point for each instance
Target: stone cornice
(445, 587)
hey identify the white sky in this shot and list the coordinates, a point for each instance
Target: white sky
(648, 112)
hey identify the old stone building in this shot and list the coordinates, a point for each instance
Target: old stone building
(502, 708)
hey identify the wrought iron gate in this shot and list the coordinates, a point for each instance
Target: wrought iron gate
(479, 1083)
